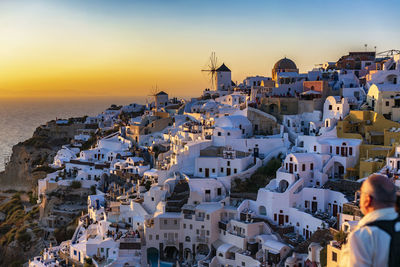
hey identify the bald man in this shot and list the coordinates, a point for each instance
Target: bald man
(369, 244)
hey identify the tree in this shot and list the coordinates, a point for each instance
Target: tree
(340, 237)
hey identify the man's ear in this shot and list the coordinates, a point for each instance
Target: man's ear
(368, 201)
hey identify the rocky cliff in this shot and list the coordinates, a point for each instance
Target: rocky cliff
(24, 168)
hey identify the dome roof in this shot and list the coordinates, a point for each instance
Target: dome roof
(233, 121)
(285, 63)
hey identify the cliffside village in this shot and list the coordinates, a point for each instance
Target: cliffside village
(179, 162)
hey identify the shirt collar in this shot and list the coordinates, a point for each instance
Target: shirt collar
(379, 214)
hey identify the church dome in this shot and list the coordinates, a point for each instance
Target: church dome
(285, 63)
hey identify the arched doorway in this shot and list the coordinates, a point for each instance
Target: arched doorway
(338, 169)
(283, 185)
(152, 257)
(171, 253)
(187, 255)
(262, 211)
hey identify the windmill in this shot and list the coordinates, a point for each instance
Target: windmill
(153, 93)
(211, 68)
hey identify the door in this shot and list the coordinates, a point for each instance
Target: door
(344, 151)
(228, 171)
(341, 171)
(290, 167)
(281, 219)
(398, 164)
(208, 195)
(334, 212)
(207, 172)
(314, 206)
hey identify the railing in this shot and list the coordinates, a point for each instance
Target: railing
(171, 242)
(202, 239)
(200, 219)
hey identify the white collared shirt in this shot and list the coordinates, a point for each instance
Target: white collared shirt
(368, 246)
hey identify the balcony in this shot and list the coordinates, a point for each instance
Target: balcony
(222, 225)
(187, 216)
(199, 219)
(202, 239)
(171, 242)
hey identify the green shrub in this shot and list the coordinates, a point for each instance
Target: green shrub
(260, 178)
(93, 189)
(76, 184)
(23, 236)
(46, 169)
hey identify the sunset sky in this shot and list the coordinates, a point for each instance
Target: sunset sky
(70, 48)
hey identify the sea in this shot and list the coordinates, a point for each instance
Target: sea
(20, 117)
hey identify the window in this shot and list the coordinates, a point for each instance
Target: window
(184, 226)
(208, 216)
(219, 133)
(387, 103)
(275, 216)
(286, 218)
(337, 150)
(338, 108)
(187, 238)
(150, 237)
(213, 170)
(303, 167)
(219, 191)
(165, 235)
(197, 231)
(311, 166)
(208, 232)
(330, 107)
(200, 169)
(315, 148)
(165, 221)
(330, 149)
(191, 227)
(295, 167)
(157, 237)
(228, 163)
(350, 151)
(229, 134)
(334, 256)
(222, 169)
(175, 221)
(234, 170)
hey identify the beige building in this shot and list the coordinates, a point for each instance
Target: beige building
(333, 254)
(385, 99)
(150, 125)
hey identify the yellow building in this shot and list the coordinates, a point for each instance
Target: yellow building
(379, 137)
(333, 254)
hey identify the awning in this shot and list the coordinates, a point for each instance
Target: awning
(217, 243)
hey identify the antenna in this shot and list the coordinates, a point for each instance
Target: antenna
(212, 68)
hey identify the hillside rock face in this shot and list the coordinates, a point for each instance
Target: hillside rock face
(18, 174)
(21, 172)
